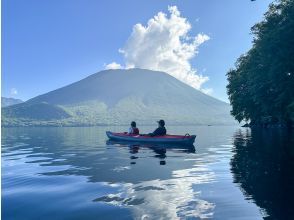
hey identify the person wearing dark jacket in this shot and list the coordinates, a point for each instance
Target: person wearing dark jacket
(160, 131)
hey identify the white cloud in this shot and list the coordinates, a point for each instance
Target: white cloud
(113, 65)
(201, 38)
(164, 45)
(13, 91)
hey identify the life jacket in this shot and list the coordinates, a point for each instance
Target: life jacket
(135, 131)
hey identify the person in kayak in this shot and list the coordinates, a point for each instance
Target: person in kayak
(133, 129)
(160, 131)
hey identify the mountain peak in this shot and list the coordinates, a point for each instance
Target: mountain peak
(110, 86)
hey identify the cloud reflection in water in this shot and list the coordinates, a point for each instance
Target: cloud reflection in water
(172, 198)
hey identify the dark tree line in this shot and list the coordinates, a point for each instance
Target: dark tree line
(261, 86)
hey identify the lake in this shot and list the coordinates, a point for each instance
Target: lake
(73, 173)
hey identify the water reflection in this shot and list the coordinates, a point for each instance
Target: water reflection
(263, 166)
(159, 149)
(151, 181)
(171, 198)
(163, 199)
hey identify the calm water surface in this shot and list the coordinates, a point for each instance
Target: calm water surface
(73, 173)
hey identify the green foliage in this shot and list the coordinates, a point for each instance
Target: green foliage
(261, 87)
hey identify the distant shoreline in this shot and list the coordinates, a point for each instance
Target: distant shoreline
(114, 125)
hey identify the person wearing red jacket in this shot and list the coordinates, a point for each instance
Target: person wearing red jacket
(133, 129)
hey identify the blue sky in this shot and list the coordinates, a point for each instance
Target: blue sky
(51, 43)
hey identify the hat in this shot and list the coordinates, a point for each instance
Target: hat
(133, 124)
(161, 122)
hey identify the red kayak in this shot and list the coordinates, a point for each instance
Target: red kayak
(166, 139)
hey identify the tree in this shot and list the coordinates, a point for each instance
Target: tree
(261, 86)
